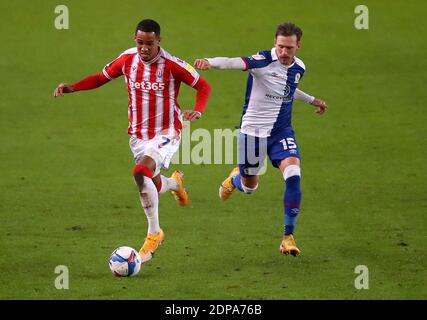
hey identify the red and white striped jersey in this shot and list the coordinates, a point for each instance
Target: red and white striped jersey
(153, 88)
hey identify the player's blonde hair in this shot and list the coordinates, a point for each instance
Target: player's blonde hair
(289, 29)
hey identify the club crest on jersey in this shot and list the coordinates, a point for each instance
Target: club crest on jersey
(159, 74)
(286, 91)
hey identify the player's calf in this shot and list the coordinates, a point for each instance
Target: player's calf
(292, 197)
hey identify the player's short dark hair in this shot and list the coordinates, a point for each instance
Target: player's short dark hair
(289, 29)
(148, 25)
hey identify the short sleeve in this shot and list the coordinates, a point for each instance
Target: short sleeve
(184, 72)
(115, 68)
(258, 60)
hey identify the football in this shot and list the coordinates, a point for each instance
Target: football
(125, 262)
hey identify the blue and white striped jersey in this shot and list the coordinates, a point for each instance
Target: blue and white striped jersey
(269, 93)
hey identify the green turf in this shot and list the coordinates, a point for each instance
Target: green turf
(66, 190)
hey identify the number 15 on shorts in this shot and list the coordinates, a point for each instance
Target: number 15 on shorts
(288, 143)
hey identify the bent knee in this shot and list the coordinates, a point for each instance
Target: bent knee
(139, 172)
(291, 171)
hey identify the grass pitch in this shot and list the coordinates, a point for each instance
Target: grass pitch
(66, 190)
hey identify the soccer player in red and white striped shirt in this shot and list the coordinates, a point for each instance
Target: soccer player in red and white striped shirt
(153, 77)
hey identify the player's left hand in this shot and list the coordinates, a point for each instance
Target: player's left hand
(191, 115)
(321, 105)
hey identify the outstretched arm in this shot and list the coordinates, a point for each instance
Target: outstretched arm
(320, 104)
(302, 96)
(220, 63)
(239, 64)
(88, 83)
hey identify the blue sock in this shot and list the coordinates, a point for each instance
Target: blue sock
(237, 182)
(292, 203)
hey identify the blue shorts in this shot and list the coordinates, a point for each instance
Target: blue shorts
(252, 151)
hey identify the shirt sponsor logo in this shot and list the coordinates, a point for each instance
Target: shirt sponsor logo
(281, 99)
(146, 85)
(286, 98)
(272, 97)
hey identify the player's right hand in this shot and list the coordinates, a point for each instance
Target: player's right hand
(202, 64)
(61, 89)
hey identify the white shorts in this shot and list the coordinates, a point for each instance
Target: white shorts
(161, 149)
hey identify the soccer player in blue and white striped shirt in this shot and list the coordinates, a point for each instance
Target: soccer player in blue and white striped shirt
(266, 127)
